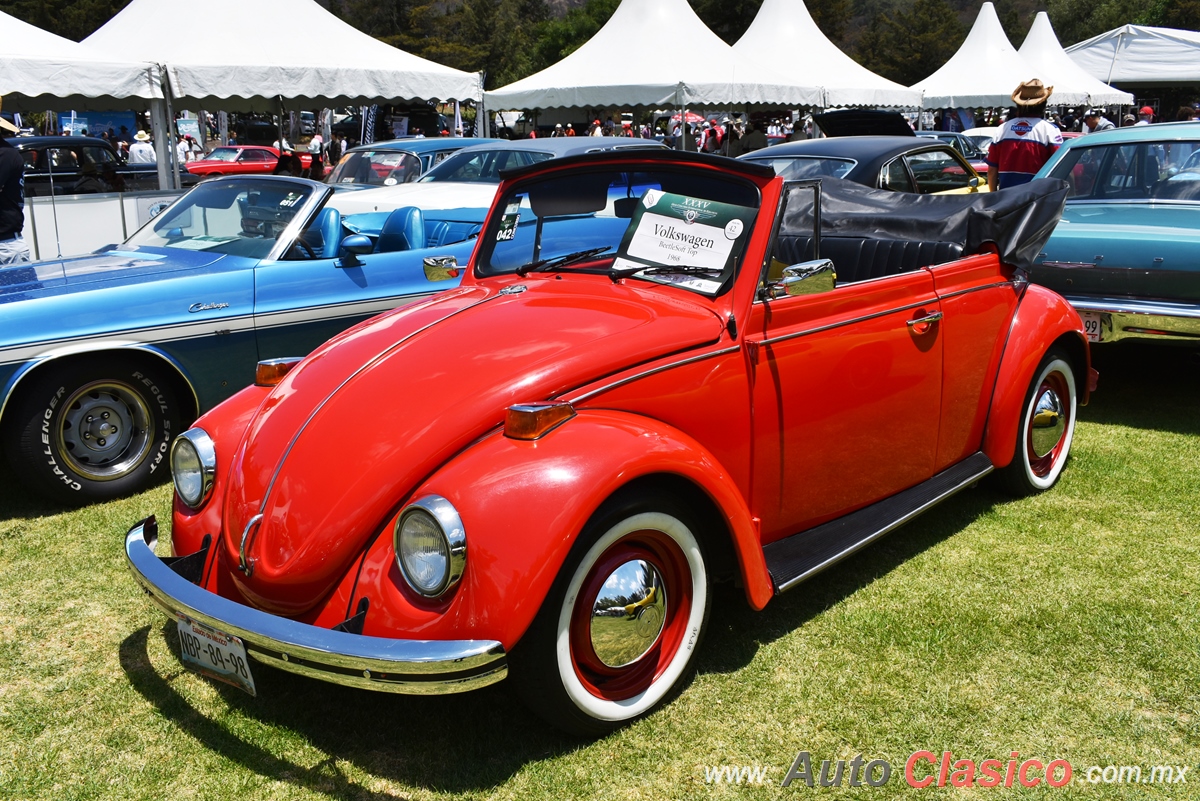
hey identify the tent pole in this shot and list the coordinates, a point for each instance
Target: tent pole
(170, 141)
(159, 130)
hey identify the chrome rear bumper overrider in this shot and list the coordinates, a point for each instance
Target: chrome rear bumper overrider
(415, 667)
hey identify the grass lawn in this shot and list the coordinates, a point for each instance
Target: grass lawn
(1061, 627)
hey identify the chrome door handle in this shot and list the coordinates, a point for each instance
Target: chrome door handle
(922, 324)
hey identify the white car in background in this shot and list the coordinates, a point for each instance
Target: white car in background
(470, 177)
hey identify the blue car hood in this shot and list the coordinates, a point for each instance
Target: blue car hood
(135, 265)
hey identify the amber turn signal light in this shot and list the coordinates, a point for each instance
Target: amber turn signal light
(271, 371)
(533, 420)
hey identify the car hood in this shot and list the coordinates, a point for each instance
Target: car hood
(354, 429)
(84, 272)
(432, 195)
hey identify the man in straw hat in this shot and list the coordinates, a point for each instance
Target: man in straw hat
(13, 249)
(141, 151)
(1025, 142)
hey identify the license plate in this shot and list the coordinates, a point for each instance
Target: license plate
(1091, 325)
(214, 654)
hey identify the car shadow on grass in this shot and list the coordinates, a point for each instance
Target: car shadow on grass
(448, 743)
(1146, 385)
(736, 631)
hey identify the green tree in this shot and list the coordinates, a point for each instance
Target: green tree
(907, 45)
(73, 19)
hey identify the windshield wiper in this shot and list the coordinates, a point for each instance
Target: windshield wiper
(677, 269)
(560, 261)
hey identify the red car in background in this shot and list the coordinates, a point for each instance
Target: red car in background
(241, 160)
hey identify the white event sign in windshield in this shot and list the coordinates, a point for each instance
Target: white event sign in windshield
(675, 230)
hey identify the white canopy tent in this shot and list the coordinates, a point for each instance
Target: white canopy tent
(1136, 55)
(293, 49)
(630, 62)
(1072, 84)
(786, 26)
(40, 71)
(984, 72)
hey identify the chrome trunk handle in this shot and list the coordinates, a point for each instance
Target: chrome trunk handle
(244, 565)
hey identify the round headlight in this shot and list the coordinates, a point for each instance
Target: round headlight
(193, 467)
(431, 546)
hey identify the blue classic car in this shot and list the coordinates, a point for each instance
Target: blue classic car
(105, 358)
(1126, 253)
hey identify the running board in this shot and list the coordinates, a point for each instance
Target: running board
(795, 558)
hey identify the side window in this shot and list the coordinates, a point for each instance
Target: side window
(895, 177)
(32, 160)
(63, 159)
(937, 171)
(795, 238)
(98, 156)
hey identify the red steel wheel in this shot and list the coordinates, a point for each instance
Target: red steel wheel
(1047, 428)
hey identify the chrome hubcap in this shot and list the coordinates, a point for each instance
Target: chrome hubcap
(104, 431)
(629, 614)
(1049, 423)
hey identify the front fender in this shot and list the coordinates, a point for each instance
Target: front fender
(1043, 318)
(523, 504)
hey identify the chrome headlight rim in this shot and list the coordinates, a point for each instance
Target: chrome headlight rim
(454, 536)
(201, 444)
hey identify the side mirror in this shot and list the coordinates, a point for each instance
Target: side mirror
(806, 278)
(354, 246)
(440, 268)
(973, 183)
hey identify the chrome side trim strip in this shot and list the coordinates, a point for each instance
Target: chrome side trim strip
(996, 285)
(418, 667)
(844, 323)
(652, 371)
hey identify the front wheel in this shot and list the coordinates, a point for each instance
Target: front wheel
(1047, 428)
(619, 631)
(93, 432)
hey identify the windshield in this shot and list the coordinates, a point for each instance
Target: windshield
(239, 217)
(669, 225)
(377, 168)
(483, 166)
(1134, 171)
(222, 154)
(794, 168)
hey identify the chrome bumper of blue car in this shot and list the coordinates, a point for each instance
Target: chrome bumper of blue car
(415, 667)
(1125, 318)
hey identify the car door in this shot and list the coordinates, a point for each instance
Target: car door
(301, 302)
(846, 385)
(256, 161)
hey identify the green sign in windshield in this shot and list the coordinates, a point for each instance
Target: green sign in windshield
(669, 230)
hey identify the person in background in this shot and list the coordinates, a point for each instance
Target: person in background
(232, 139)
(1094, 120)
(754, 139)
(1128, 121)
(570, 129)
(183, 150)
(1185, 114)
(316, 149)
(1145, 116)
(1024, 143)
(141, 151)
(89, 181)
(337, 146)
(597, 129)
(13, 249)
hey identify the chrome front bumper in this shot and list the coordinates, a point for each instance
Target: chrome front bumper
(1125, 318)
(414, 667)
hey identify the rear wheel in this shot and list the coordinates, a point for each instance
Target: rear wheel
(619, 631)
(92, 432)
(1047, 428)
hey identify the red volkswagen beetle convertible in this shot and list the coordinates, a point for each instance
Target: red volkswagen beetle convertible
(660, 371)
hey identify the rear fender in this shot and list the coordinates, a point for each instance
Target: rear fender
(523, 504)
(1042, 320)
